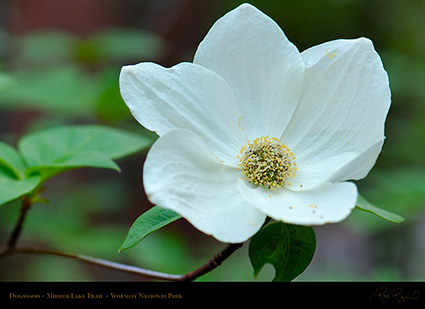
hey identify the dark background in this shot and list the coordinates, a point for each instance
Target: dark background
(59, 64)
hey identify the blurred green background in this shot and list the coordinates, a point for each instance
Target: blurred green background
(59, 64)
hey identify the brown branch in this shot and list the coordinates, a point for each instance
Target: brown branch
(96, 262)
(214, 262)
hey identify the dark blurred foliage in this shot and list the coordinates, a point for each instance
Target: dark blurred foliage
(59, 64)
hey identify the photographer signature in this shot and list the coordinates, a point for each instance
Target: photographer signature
(397, 294)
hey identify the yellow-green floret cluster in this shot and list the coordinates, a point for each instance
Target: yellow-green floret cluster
(267, 162)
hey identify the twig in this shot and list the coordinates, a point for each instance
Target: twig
(25, 206)
(214, 262)
(99, 262)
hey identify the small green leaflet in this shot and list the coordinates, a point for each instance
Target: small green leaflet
(289, 248)
(12, 188)
(13, 183)
(12, 160)
(363, 204)
(148, 222)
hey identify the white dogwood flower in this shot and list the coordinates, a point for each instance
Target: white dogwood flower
(254, 128)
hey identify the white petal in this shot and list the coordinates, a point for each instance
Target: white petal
(325, 204)
(360, 166)
(312, 173)
(264, 69)
(181, 174)
(185, 96)
(342, 111)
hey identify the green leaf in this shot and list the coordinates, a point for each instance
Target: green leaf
(13, 183)
(289, 248)
(12, 188)
(363, 204)
(63, 90)
(11, 159)
(5, 81)
(120, 43)
(44, 47)
(150, 221)
(110, 106)
(59, 149)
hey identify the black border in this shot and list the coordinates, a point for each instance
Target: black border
(213, 293)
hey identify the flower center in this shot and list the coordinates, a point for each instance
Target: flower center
(267, 162)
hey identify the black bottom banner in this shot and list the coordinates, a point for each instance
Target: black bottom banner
(212, 293)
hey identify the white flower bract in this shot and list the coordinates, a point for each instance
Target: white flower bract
(254, 128)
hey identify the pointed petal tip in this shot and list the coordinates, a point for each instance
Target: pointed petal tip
(246, 8)
(365, 40)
